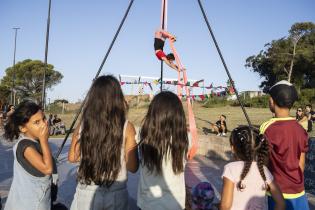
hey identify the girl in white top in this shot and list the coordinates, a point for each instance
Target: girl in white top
(104, 144)
(246, 180)
(163, 151)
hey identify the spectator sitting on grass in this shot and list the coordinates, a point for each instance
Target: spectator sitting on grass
(58, 126)
(219, 127)
(56, 120)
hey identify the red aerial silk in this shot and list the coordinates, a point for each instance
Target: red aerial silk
(191, 117)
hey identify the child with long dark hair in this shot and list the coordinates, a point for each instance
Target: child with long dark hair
(246, 180)
(104, 144)
(33, 165)
(163, 151)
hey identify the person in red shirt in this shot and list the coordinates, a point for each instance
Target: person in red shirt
(288, 143)
(159, 40)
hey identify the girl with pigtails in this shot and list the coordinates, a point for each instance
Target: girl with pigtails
(247, 180)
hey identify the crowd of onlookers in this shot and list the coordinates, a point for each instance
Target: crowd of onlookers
(306, 117)
(56, 125)
(266, 170)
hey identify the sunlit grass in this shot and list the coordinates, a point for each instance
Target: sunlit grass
(203, 116)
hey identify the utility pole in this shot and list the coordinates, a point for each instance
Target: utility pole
(13, 79)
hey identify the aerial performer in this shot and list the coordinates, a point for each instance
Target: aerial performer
(159, 40)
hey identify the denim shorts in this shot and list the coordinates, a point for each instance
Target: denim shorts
(95, 197)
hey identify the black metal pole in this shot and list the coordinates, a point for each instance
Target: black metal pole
(225, 66)
(163, 26)
(13, 80)
(98, 72)
(46, 56)
(161, 85)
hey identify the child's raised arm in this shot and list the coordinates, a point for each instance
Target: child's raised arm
(74, 151)
(43, 163)
(227, 194)
(131, 149)
(277, 196)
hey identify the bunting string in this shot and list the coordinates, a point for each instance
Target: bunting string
(189, 84)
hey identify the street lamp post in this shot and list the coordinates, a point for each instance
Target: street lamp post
(13, 79)
(46, 55)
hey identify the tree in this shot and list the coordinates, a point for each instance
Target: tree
(291, 58)
(61, 101)
(4, 95)
(29, 79)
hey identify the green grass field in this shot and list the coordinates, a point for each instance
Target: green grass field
(203, 116)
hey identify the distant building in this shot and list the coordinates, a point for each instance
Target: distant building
(252, 93)
(231, 97)
(246, 94)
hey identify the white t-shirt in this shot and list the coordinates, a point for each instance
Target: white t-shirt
(162, 192)
(253, 197)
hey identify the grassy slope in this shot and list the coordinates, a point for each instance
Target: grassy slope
(204, 116)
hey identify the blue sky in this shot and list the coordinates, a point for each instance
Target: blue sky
(81, 32)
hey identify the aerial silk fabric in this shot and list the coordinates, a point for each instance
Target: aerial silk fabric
(191, 117)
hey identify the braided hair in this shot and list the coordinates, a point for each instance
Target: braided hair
(261, 155)
(249, 146)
